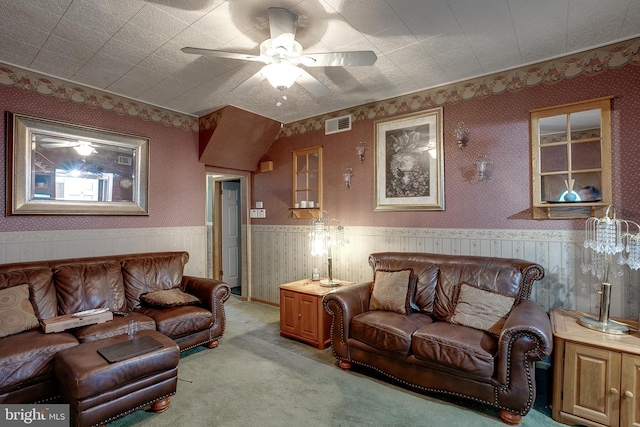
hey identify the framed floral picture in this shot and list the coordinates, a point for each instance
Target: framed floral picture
(410, 162)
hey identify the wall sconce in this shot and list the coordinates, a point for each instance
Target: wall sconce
(481, 166)
(348, 173)
(360, 150)
(462, 135)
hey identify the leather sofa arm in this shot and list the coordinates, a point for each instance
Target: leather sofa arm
(526, 337)
(342, 304)
(213, 293)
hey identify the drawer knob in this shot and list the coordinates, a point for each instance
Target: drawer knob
(628, 394)
(299, 316)
(613, 391)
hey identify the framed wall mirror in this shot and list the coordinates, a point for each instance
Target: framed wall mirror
(56, 168)
(571, 153)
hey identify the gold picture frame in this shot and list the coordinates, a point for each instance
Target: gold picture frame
(57, 168)
(410, 162)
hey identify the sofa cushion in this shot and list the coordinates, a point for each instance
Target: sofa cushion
(29, 356)
(84, 286)
(152, 273)
(502, 280)
(392, 291)
(481, 309)
(169, 298)
(40, 281)
(387, 330)
(16, 311)
(425, 276)
(457, 347)
(179, 321)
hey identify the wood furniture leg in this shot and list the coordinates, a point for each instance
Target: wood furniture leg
(510, 418)
(344, 365)
(161, 405)
(213, 344)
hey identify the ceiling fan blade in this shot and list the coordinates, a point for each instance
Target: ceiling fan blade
(248, 84)
(221, 54)
(340, 59)
(57, 145)
(282, 21)
(312, 85)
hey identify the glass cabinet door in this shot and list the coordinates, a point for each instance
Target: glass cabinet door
(307, 182)
(571, 159)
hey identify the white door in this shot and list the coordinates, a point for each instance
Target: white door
(231, 233)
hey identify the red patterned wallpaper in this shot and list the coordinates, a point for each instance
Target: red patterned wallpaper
(177, 185)
(499, 126)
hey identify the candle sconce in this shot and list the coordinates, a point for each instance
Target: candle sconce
(360, 150)
(348, 173)
(462, 135)
(482, 164)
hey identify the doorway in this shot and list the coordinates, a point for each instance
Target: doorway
(226, 232)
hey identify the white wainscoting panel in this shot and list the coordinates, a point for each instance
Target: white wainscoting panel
(47, 245)
(280, 254)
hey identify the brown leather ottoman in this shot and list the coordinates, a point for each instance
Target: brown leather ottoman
(99, 391)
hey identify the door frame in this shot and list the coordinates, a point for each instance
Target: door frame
(217, 176)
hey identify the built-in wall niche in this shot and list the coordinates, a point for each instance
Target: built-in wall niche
(571, 159)
(307, 183)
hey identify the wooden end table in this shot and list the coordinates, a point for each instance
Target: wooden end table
(302, 316)
(596, 379)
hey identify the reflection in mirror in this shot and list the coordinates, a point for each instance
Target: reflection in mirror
(585, 124)
(553, 129)
(66, 169)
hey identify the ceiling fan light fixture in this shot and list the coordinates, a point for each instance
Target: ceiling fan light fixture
(85, 150)
(281, 76)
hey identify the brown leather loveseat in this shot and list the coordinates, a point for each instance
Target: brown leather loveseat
(459, 325)
(119, 283)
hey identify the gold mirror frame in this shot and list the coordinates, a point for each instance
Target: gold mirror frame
(22, 133)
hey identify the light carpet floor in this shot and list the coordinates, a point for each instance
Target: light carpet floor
(257, 378)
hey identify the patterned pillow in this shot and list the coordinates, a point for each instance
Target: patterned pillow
(16, 311)
(392, 291)
(168, 298)
(481, 309)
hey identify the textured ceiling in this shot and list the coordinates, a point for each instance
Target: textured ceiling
(132, 47)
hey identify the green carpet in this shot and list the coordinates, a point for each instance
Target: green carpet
(257, 378)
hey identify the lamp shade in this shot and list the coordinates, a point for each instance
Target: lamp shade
(281, 76)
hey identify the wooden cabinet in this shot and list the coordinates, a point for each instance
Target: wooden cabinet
(301, 314)
(596, 375)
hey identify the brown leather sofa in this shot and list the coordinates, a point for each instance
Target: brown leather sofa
(116, 282)
(429, 348)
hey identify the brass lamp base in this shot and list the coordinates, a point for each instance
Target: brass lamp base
(609, 327)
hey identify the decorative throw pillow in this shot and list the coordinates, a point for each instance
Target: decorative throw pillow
(168, 298)
(16, 311)
(392, 291)
(481, 309)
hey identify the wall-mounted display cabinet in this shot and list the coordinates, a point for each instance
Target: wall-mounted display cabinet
(571, 159)
(307, 183)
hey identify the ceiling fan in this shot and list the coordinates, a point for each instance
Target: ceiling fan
(282, 54)
(84, 148)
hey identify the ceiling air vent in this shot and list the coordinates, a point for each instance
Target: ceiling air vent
(125, 160)
(339, 124)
